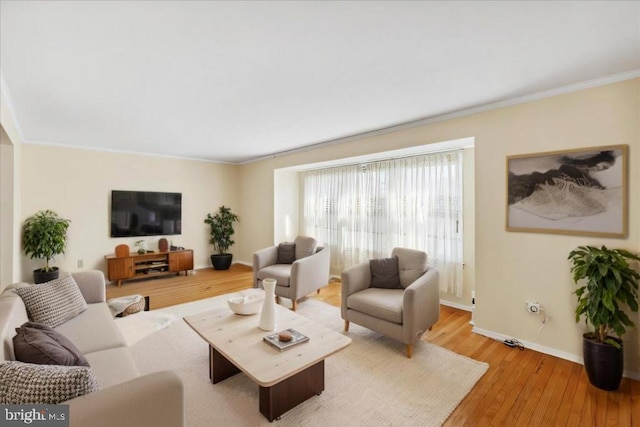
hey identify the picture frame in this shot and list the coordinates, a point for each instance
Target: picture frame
(576, 192)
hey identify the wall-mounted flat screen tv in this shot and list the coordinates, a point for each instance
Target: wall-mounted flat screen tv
(145, 213)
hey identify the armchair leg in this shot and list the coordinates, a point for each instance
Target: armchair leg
(294, 304)
(277, 299)
(346, 326)
(409, 350)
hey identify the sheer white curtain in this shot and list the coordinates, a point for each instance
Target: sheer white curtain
(363, 211)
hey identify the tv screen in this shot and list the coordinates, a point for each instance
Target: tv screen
(145, 213)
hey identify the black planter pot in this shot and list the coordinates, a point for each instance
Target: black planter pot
(221, 262)
(40, 276)
(603, 362)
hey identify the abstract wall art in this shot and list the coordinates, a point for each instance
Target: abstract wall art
(579, 192)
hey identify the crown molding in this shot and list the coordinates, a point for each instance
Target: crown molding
(128, 152)
(588, 84)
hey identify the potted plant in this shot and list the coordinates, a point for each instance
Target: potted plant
(611, 283)
(44, 236)
(142, 247)
(221, 231)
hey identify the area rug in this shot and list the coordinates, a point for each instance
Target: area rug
(371, 382)
(138, 326)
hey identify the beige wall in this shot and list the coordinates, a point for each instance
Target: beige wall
(77, 185)
(286, 206)
(6, 209)
(510, 268)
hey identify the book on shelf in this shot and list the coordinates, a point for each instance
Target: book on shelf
(296, 338)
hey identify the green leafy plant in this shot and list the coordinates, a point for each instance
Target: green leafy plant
(610, 284)
(44, 236)
(221, 229)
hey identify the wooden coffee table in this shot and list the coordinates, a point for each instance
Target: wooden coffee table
(285, 378)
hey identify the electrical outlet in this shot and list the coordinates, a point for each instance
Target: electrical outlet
(80, 263)
(532, 307)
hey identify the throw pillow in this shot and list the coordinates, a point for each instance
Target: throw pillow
(385, 273)
(41, 344)
(54, 302)
(22, 383)
(286, 253)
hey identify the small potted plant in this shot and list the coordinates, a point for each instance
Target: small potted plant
(44, 235)
(610, 285)
(221, 231)
(142, 247)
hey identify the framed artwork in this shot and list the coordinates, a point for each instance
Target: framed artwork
(579, 192)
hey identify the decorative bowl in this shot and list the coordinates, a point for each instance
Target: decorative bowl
(246, 305)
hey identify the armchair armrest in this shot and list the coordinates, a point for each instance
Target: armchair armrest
(421, 305)
(354, 279)
(263, 258)
(92, 285)
(309, 273)
(156, 399)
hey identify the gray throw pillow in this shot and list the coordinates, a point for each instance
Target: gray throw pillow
(384, 273)
(286, 253)
(23, 383)
(41, 344)
(54, 302)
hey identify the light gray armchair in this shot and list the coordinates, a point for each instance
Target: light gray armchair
(404, 314)
(299, 268)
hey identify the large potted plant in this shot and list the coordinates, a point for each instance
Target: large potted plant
(607, 284)
(44, 235)
(221, 231)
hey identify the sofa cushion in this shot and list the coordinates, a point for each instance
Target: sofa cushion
(411, 264)
(286, 253)
(384, 273)
(22, 383)
(93, 330)
(113, 366)
(280, 272)
(54, 302)
(380, 303)
(305, 246)
(41, 344)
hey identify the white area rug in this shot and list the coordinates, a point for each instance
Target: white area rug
(371, 382)
(136, 327)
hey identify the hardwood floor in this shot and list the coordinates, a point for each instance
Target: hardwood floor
(520, 388)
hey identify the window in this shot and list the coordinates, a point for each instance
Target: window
(364, 211)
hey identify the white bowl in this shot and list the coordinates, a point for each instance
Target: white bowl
(246, 305)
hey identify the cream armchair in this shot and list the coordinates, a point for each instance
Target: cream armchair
(299, 268)
(404, 314)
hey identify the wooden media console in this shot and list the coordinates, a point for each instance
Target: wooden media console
(136, 266)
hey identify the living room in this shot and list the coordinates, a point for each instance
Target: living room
(506, 269)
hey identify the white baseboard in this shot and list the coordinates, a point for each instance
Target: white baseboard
(243, 263)
(456, 305)
(546, 350)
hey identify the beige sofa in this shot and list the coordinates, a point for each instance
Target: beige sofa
(125, 397)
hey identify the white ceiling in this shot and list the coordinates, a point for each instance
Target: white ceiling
(237, 81)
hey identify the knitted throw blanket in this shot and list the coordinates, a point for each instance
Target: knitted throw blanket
(118, 305)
